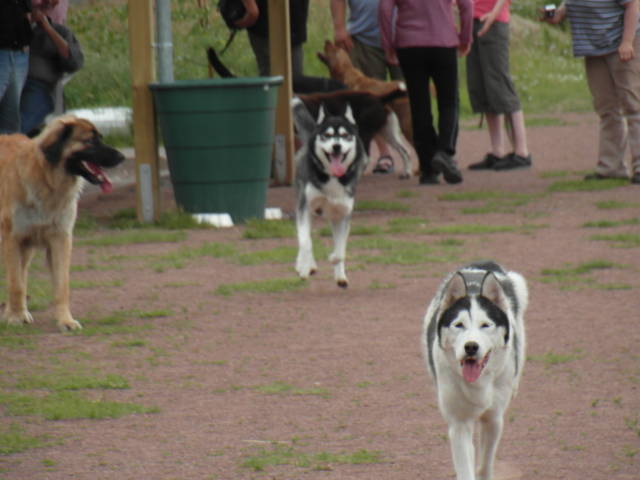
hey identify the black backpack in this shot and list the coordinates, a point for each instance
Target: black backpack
(231, 11)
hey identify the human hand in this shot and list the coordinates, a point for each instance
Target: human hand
(626, 51)
(38, 16)
(464, 49)
(342, 39)
(487, 21)
(391, 57)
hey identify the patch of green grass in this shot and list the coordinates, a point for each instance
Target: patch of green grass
(275, 285)
(621, 240)
(355, 230)
(551, 359)
(400, 252)
(587, 185)
(471, 229)
(113, 324)
(68, 405)
(131, 237)
(14, 440)
(611, 223)
(381, 205)
(255, 229)
(615, 205)
(17, 337)
(78, 284)
(283, 388)
(127, 218)
(179, 258)
(130, 344)
(571, 277)
(283, 254)
(64, 381)
(406, 225)
(280, 454)
(556, 174)
(406, 194)
(378, 285)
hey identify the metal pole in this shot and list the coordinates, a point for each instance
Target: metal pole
(164, 41)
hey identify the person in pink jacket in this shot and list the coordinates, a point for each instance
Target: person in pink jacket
(422, 36)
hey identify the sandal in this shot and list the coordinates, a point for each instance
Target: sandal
(384, 165)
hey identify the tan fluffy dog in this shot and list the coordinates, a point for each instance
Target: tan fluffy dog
(342, 69)
(40, 182)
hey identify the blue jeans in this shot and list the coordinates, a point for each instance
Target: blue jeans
(36, 103)
(14, 65)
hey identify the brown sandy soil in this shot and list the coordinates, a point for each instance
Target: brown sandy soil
(217, 367)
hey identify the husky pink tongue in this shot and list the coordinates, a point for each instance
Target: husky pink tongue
(337, 168)
(471, 370)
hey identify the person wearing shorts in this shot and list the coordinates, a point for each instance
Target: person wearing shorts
(607, 35)
(491, 89)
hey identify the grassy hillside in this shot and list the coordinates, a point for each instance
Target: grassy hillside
(547, 77)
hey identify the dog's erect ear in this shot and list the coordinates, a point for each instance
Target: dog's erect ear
(492, 291)
(454, 291)
(322, 113)
(349, 114)
(322, 57)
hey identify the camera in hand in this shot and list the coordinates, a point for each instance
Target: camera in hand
(549, 10)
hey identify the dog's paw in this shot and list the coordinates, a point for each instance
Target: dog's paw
(342, 282)
(69, 325)
(19, 318)
(405, 176)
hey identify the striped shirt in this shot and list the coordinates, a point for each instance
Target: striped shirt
(596, 25)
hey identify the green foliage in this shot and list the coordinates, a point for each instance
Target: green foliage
(621, 240)
(14, 440)
(586, 185)
(67, 405)
(62, 381)
(611, 223)
(275, 285)
(280, 454)
(551, 359)
(129, 237)
(257, 229)
(381, 205)
(283, 388)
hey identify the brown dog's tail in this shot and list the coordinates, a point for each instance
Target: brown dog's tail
(217, 64)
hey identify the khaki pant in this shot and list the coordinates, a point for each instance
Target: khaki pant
(615, 88)
(371, 61)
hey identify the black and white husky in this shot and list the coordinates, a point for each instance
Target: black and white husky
(474, 345)
(328, 167)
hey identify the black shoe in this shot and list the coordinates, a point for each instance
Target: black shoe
(636, 178)
(429, 179)
(446, 165)
(486, 163)
(513, 161)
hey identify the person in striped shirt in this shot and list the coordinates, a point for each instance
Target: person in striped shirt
(605, 33)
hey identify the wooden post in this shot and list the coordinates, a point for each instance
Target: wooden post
(141, 38)
(280, 56)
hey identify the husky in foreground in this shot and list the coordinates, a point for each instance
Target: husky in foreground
(328, 167)
(474, 345)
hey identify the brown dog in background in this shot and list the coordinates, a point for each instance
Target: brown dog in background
(41, 180)
(342, 69)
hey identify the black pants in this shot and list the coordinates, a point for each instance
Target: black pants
(419, 66)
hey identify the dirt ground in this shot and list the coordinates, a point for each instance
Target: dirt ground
(331, 382)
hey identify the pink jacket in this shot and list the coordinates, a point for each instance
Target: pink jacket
(424, 23)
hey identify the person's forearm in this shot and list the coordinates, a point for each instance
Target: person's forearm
(339, 15)
(630, 21)
(61, 44)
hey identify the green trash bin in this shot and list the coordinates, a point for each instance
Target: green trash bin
(218, 135)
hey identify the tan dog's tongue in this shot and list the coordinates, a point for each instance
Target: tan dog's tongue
(471, 371)
(337, 168)
(106, 185)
